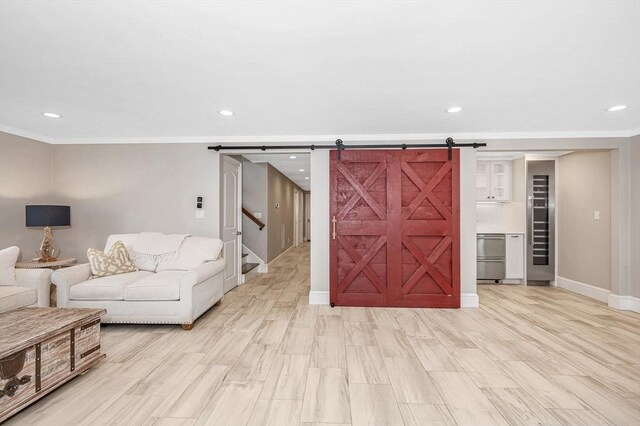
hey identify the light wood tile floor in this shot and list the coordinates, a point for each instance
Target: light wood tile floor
(265, 357)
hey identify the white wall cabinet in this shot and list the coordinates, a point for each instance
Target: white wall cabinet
(493, 180)
(514, 258)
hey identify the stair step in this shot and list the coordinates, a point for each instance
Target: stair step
(245, 254)
(247, 267)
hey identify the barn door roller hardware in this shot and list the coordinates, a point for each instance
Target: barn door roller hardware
(340, 146)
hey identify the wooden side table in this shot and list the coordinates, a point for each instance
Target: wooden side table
(56, 264)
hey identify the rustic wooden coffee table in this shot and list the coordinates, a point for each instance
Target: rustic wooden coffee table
(42, 348)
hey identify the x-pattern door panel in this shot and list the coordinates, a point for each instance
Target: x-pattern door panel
(395, 228)
(359, 200)
(430, 229)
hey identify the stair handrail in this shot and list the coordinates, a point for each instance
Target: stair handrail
(253, 218)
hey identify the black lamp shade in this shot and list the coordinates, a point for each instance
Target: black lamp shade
(41, 216)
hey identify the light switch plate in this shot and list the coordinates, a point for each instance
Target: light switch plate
(596, 214)
(199, 214)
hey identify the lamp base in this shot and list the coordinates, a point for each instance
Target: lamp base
(48, 250)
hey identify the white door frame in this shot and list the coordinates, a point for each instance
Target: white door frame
(238, 211)
(301, 217)
(307, 216)
(241, 151)
(295, 218)
(297, 237)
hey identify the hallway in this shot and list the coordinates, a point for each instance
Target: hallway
(266, 357)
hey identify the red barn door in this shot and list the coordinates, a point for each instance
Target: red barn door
(395, 228)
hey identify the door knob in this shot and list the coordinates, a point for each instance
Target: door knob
(238, 233)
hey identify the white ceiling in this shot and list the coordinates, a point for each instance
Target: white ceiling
(123, 71)
(288, 166)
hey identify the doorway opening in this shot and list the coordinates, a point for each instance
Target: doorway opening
(544, 218)
(271, 204)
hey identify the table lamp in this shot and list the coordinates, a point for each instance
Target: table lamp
(47, 217)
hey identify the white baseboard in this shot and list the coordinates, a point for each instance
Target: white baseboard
(252, 273)
(624, 303)
(273, 262)
(318, 297)
(469, 300)
(584, 289)
(262, 267)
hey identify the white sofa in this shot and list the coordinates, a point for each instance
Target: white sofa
(21, 287)
(174, 291)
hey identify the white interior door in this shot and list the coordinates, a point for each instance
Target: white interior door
(231, 223)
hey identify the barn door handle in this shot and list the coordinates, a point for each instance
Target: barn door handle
(334, 227)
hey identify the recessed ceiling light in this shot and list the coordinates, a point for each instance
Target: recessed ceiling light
(51, 115)
(226, 113)
(301, 170)
(616, 108)
(293, 157)
(306, 177)
(454, 109)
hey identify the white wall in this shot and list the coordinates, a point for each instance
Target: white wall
(468, 270)
(25, 178)
(320, 221)
(319, 294)
(583, 187)
(490, 218)
(133, 188)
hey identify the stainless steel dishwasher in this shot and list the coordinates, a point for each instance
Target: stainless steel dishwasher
(491, 257)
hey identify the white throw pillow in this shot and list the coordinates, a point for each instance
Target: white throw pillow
(144, 262)
(194, 252)
(8, 259)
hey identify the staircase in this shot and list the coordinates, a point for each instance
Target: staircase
(247, 267)
(251, 265)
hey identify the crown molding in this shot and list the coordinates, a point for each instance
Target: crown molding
(26, 134)
(304, 139)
